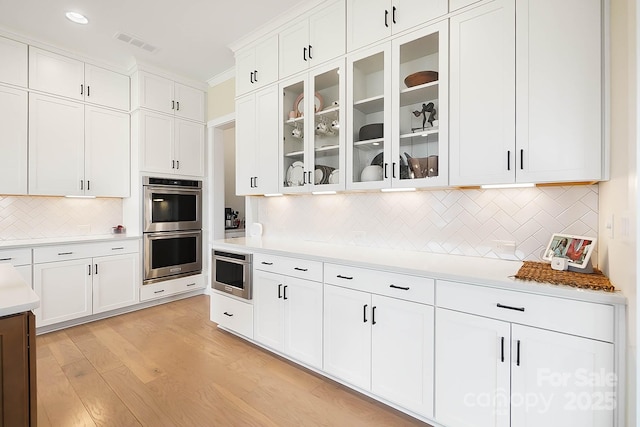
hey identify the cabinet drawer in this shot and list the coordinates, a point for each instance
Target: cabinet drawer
(116, 248)
(402, 286)
(294, 267)
(580, 318)
(232, 314)
(171, 287)
(83, 250)
(16, 256)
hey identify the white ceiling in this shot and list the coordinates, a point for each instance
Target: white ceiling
(191, 35)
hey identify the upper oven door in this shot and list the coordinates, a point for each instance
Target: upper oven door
(172, 209)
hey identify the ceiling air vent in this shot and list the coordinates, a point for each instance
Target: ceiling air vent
(129, 39)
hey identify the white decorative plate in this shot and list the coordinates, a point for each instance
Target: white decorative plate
(295, 174)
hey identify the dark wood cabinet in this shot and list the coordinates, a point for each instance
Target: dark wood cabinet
(18, 370)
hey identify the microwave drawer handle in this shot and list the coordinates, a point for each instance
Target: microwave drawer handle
(266, 263)
(300, 269)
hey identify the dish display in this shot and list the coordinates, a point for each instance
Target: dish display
(298, 104)
(371, 131)
(420, 78)
(295, 175)
(334, 178)
(322, 173)
(371, 173)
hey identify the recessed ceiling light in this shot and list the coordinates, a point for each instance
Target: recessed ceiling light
(76, 17)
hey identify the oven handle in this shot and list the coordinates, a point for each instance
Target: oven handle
(173, 234)
(231, 260)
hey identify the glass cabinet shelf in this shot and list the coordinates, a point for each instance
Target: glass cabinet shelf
(418, 94)
(328, 111)
(370, 105)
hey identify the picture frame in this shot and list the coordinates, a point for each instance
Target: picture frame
(577, 249)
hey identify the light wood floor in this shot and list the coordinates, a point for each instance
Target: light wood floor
(170, 366)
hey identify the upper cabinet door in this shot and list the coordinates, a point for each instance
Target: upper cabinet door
(189, 148)
(257, 66)
(189, 102)
(106, 152)
(294, 48)
(56, 146)
(56, 74)
(104, 87)
(559, 91)
(156, 138)
(327, 33)
(367, 21)
(13, 67)
(406, 14)
(482, 95)
(13, 141)
(156, 93)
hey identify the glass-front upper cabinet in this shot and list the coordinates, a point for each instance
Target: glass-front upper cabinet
(398, 126)
(312, 136)
(420, 120)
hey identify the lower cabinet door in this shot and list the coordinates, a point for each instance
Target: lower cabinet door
(347, 335)
(64, 289)
(303, 320)
(268, 310)
(402, 353)
(560, 380)
(115, 281)
(232, 314)
(473, 370)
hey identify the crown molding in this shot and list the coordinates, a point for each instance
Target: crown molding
(222, 77)
(142, 66)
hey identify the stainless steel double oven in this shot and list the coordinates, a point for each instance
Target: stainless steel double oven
(172, 228)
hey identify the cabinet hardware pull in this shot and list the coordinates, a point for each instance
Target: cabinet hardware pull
(399, 287)
(173, 164)
(251, 182)
(88, 185)
(178, 105)
(340, 276)
(521, 159)
(304, 53)
(88, 90)
(518, 353)
(393, 16)
(386, 18)
(280, 291)
(65, 253)
(373, 315)
(177, 164)
(227, 314)
(266, 263)
(96, 268)
(255, 76)
(118, 249)
(310, 55)
(393, 170)
(159, 292)
(301, 269)
(173, 105)
(191, 284)
(284, 292)
(81, 184)
(89, 270)
(364, 313)
(6, 259)
(251, 77)
(385, 170)
(255, 180)
(502, 349)
(81, 89)
(310, 178)
(508, 160)
(510, 308)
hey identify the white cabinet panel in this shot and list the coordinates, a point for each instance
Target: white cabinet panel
(156, 135)
(367, 21)
(232, 314)
(406, 14)
(268, 309)
(155, 92)
(115, 281)
(257, 66)
(56, 146)
(13, 68)
(13, 139)
(246, 167)
(189, 102)
(303, 320)
(106, 152)
(189, 148)
(56, 74)
(294, 48)
(106, 88)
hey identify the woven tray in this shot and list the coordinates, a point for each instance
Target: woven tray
(542, 272)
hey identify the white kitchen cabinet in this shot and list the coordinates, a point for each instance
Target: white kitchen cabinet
(313, 39)
(60, 75)
(232, 314)
(482, 95)
(170, 145)
(526, 96)
(257, 65)
(74, 149)
(505, 358)
(370, 21)
(13, 140)
(13, 69)
(167, 288)
(114, 281)
(288, 315)
(559, 90)
(313, 159)
(257, 142)
(21, 261)
(169, 97)
(78, 280)
(410, 148)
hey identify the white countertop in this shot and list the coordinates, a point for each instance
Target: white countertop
(15, 295)
(11, 244)
(475, 270)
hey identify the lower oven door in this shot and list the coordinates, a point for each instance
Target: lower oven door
(172, 253)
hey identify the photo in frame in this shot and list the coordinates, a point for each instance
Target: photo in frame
(577, 249)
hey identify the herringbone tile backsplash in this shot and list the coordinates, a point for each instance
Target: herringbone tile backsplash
(24, 217)
(463, 222)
